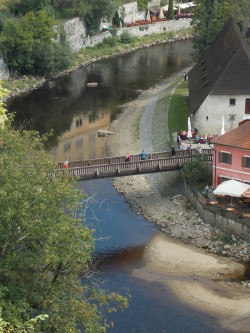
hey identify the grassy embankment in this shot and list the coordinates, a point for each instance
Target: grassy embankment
(173, 106)
(107, 49)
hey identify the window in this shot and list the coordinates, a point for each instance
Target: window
(246, 161)
(232, 101)
(225, 158)
(247, 106)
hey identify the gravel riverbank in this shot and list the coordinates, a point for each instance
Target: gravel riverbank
(201, 279)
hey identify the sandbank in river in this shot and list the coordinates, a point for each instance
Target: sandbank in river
(202, 280)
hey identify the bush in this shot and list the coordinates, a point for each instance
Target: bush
(142, 4)
(110, 41)
(198, 169)
(126, 38)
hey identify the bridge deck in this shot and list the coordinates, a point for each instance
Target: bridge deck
(109, 167)
(134, 158)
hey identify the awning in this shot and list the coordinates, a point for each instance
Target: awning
(232, 188)
(246, 194)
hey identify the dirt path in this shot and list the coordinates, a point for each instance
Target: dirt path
(196, 277)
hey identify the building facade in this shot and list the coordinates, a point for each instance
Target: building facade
(219, 84)
(231, 155)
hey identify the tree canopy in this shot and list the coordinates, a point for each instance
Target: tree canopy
(28, 47)
(209, 16)
(170, 13)
(45, 246)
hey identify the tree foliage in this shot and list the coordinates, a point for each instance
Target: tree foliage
(170, 13)
(142, 4)
(209, 16)
(97, 10)
(45, 246)
(197, 169)
(28, 47)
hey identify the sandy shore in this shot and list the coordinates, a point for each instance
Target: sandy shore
(199, 279)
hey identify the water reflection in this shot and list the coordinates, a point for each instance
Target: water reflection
(75, 112)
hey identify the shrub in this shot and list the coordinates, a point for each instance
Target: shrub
(142, 4)
(126, 38)
(110, 41)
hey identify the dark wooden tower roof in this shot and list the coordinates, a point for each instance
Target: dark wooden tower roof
(223, 69)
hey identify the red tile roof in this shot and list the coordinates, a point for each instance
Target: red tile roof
(238, 137)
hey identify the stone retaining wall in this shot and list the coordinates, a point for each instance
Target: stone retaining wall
(75, 32)
(157, 27)
(142, 30)
(228, 225)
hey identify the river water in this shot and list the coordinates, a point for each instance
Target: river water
(75, 113)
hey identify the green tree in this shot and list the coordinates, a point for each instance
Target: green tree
(197, 169)
(142, 4)
(97, 10)
(170, 13)
(45, 246)
(20, 8)
(209, 16)
(28, 47)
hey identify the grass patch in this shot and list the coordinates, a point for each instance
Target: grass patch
(21, 84)
(161, 136)
(178, 109)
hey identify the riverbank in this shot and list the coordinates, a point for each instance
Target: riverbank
(26, 84)
(200, 279)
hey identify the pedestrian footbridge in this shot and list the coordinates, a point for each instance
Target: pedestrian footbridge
(117, 167)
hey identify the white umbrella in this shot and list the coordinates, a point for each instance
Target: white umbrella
(161, 15)
(189, 133)
(232, 188)
(179, 9)
(134, 17)
(148, 16)
(222, 127)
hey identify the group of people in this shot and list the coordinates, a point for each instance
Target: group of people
(143, 156)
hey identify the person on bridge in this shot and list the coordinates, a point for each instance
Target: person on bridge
(128, 158)
(143, 155)
(66, 164)
(173, 152)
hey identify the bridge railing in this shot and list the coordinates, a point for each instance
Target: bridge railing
(134, 158)
(132, 167)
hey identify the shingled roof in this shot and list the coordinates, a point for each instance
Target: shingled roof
(238, 137)
(224, 68)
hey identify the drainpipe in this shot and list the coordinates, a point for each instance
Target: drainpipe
(214, 164)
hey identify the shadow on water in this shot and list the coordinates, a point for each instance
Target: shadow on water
(121, 236)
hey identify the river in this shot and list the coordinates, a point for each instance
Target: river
(75, 112)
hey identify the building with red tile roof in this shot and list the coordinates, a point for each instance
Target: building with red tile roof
(231, 155)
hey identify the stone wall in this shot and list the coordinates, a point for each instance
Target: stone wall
(235, 227)
(158, 27)
(75, 32)
(4, 72)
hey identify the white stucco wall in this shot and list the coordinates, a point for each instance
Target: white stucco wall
(208, 119)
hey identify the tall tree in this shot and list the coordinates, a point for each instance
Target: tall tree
(45, 246)
(28, 47)
(209, 16)
(170, 13)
